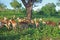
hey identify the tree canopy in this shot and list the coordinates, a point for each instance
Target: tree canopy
(49, 9)
(30, 2)
(15, 4)
(2, 6)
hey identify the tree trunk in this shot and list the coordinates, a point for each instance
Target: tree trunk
(29, 12)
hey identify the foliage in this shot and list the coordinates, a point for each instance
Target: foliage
(59, 12)
(48, 9)
(15, 4)
(41, 33)
(2, 7)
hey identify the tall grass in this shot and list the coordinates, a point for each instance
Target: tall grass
(43, 32)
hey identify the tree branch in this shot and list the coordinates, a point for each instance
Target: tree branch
(23, 1)
(30, 2)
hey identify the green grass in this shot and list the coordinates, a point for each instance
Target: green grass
(41, 33)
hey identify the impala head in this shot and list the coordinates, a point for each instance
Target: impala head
(10, 20)
(32, 21)
(35, 19)
(5, 18)
(59, 26)
(18, 18)
(44, 22)
(40, 19)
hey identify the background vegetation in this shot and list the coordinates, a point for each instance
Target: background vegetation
(44, 32)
